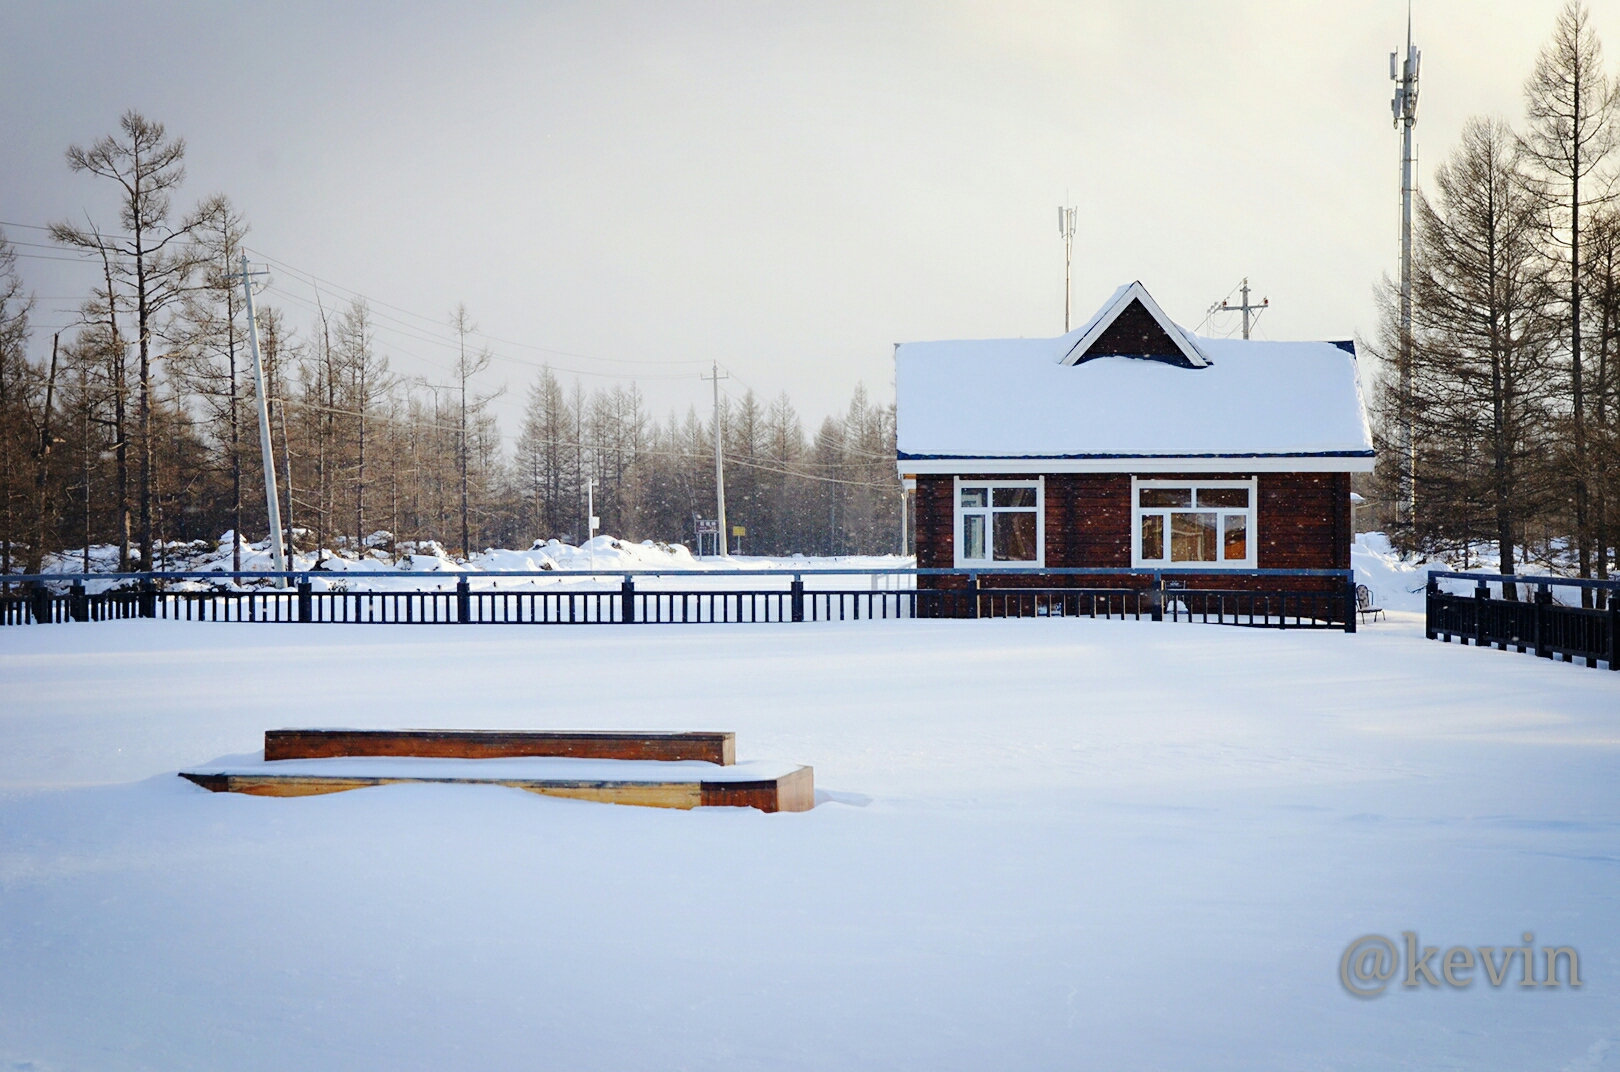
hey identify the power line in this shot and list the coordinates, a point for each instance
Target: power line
(410, 331)
(312, 279)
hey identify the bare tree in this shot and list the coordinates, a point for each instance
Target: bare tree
(466, 368)
(15, 307)
(368, 383)
(1602, 269)
(152, 257)
(1572, 110)
(210, 352)
(1481, 371)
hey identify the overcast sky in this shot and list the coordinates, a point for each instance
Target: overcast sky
(631, 190)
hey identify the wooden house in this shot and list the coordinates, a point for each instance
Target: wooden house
(1130, 443)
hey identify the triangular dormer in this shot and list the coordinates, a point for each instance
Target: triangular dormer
(1131, 324)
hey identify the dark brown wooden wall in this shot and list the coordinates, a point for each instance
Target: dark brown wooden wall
(1134, 333)
(1303, 520)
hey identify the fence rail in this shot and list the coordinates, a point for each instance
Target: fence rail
(1540, 624)
(1331, 604)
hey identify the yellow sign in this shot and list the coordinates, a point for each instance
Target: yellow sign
(738, 530)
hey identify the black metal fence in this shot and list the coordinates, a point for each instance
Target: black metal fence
(1539, 624)
(1330, 604)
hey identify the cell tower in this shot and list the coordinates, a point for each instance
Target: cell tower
(1404, 106)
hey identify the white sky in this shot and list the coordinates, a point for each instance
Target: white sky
(789, 189)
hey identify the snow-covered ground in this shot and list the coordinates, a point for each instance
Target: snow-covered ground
(1396, 581)
(598, 559)
(1042, 844)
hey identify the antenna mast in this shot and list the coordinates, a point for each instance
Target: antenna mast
(1404, 107)
(1066, 232)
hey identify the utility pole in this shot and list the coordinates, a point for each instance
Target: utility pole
(1245, 308)
(271, 503)
(1066, 232)
(592, 522)
(719, 465)
(1404, 107)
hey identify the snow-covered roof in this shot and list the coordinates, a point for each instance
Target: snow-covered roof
(997, 405)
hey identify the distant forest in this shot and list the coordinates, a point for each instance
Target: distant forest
(142, 425)
(1497, 422)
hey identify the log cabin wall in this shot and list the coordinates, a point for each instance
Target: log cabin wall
(1302, 522)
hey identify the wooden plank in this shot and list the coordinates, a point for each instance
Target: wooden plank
(643, 794)
(709, 747)
(794, 791)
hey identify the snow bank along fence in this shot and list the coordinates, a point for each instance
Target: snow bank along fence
(1538, 623)
(1275, 598)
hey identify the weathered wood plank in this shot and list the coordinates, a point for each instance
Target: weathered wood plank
(794, 791)
(709, 747)
(791, 792)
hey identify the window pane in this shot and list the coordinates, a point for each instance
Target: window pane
(975, 497)
(1192, 537)
(1166, 496)
(1152, 537)
(1223, 497)
(1014, 538)
(1237, 536)
(1014, 496)
(973, 536)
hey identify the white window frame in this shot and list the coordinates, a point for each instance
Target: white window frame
(1252, 532)
(989, 563)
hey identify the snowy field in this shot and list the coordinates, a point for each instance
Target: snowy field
(1041, 844)
(588, 567)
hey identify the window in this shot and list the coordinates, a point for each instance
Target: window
(999, 522)
(1181, 524)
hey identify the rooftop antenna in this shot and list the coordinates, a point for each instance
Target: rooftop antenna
(1066, 217)
(1404, 107)
(1244, 307)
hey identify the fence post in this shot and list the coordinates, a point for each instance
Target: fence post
(1482, 593)
(797, 597)
(973, 595)
(148, 599)
(306, 601)
(1543, 598)
(1156, 598)
(1614, 629)
(1349, 604)
(78, 605)
(627, 601)
(463, 601)
(39, 599)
